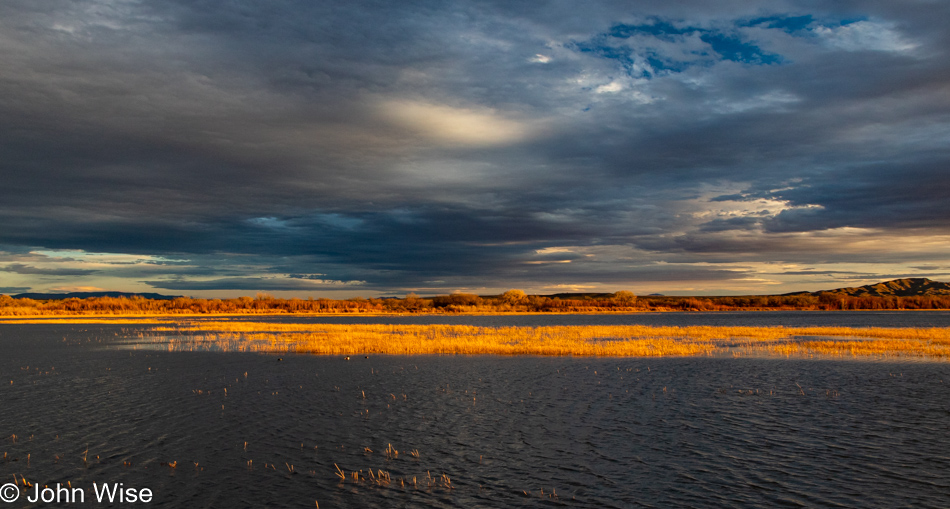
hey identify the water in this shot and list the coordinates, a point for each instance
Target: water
(693, 432)
(718, 318)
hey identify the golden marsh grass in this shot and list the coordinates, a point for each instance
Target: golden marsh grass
(586, 340)
(605, 341)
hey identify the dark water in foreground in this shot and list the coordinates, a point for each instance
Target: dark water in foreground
(696, 432)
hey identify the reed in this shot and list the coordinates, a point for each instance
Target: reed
(608, 341)
(346, 340)
(391, 452)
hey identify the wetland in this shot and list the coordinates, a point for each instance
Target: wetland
(164, 407)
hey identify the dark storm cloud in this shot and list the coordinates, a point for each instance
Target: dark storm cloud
(901, 194)
(20, 268)
(402, 143)
(13, 290)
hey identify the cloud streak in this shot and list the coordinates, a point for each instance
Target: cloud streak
(19, 268)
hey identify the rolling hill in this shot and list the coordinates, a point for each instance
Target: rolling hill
(906, 287)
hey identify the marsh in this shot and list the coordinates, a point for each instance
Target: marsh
(243, 430)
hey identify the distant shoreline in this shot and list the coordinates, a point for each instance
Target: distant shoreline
(141, 318)
(511, 302)
(133, 316)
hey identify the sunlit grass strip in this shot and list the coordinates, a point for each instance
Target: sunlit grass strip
(357, 340)
(868, 348)
(593, 340)
(613, 341)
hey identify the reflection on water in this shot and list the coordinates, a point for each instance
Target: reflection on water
(719, 318)
(248, 430)
(679, 319)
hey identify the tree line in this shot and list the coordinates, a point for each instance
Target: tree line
(512, 301)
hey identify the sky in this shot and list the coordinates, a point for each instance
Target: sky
(335, 149)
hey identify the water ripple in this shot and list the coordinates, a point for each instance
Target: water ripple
(246, 430)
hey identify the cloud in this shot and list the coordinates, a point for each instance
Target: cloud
(13, 290)
(457, 126)
(20, 268)
(864, 36)
(252, 283)
(228, 147)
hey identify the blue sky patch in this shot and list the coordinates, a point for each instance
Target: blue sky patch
(644, 60)
(660, 29)
(734, 49)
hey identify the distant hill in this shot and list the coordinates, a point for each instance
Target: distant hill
(86, 295)
(907, 287)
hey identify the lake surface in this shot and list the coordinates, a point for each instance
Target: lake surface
(745, 318)
(250, 430)
(718, 318)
